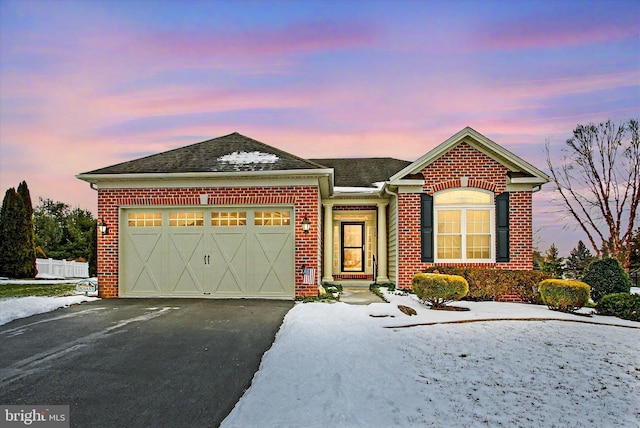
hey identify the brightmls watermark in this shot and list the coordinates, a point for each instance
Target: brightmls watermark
(34, 416)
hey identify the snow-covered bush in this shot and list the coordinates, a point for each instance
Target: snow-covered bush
(621, 305)
(438, 289)
(564, 295)
(606, 276)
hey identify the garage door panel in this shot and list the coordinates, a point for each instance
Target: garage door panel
(273, 271)
(143, 252)
(227, 273)
(186, 263)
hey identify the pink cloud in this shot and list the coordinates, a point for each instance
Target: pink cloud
(542, 88)
(550, 31)
(295, 38)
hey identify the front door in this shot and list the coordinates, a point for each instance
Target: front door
(353, 247)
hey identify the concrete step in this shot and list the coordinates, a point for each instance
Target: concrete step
(355, 283)
(358, 296)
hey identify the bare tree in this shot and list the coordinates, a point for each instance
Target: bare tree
(597, 180)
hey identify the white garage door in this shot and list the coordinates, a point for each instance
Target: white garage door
(196, 252)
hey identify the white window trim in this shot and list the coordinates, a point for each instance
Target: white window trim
(463, 226)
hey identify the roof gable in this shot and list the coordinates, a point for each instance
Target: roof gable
(230, 153)
(518, 167)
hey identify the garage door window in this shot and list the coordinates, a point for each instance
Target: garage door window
(229, 218)
(186, 218)
(272, 218)
(144, 219)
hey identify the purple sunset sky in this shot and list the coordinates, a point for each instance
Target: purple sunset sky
(86, 84)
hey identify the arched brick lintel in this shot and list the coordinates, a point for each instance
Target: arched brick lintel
(471, 183)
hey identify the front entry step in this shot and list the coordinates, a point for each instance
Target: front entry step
(358, 296)
(354, 283)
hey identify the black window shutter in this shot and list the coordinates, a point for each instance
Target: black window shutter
(426, 227)
(502, 227)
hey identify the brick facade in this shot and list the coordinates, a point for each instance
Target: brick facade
(484, 173)
(462, 165)
(304, 199)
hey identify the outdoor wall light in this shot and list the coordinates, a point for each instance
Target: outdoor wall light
(306, 224)
(102, 227)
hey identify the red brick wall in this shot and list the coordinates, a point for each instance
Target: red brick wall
(444, 173)
(305, 199)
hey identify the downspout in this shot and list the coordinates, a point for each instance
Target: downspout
(390, 193)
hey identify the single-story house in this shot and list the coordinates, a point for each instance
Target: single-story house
(234, 217)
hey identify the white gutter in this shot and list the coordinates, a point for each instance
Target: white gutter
(94, 178)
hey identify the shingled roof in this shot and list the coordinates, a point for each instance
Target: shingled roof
(362, 172)
(230, 153)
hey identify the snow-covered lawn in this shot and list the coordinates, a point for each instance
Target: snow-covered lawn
(21, 307)
(335, 365)
(339, 365)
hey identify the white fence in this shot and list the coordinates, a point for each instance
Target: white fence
(49, 268)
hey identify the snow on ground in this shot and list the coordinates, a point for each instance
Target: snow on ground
(334, 365)
(22, 307)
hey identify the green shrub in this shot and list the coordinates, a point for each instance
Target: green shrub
(622, 305)
(328, 285)
(490, 284)
(525, 284)
(437, 289)
(606, 276)
(390, 285)
(564, 295)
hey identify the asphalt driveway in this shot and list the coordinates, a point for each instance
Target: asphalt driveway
(139, 362)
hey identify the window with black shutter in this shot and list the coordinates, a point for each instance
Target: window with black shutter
(502, 227)
(426, 227)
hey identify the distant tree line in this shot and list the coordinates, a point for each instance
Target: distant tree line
(65, 233)
(52, 230)
(574, 266)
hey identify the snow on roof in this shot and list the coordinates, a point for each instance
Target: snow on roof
(351, 189)
(243, 158)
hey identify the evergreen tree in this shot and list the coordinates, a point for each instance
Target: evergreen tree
(11, 249)
(26, 237)
(23, 191)
(578, 260)
(17, 252)
(7, 227)
(552, 262)
(538, 260)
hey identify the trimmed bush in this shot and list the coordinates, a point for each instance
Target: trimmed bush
(564, 295)
(437, 289)
(490, 284)
(621, 305)
(525, 284)
(606, 276)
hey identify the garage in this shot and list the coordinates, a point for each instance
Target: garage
(217, 252)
